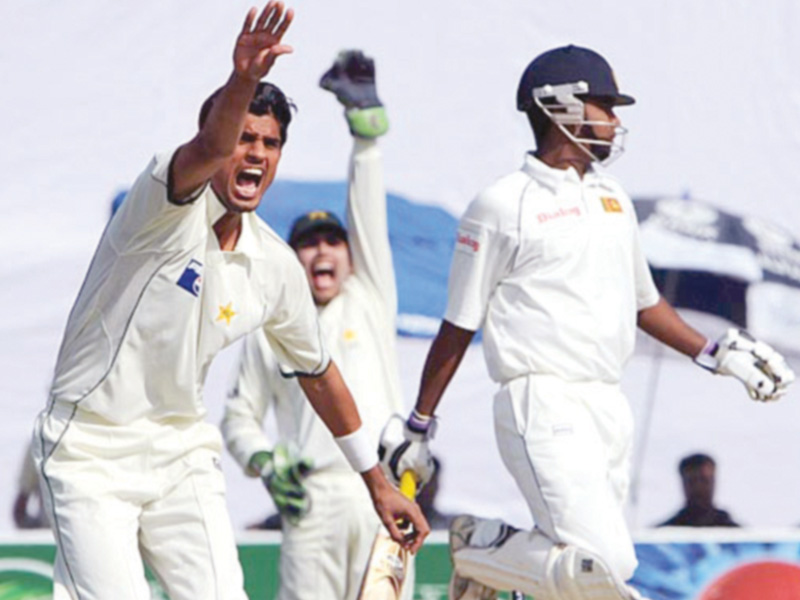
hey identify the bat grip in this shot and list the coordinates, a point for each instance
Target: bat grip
(408, 484)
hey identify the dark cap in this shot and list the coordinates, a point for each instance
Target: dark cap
(314, 221)
(570, 64)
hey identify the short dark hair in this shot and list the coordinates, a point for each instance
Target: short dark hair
(694, 461)
(267, 100)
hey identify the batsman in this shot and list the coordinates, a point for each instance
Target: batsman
(328, 527)
(548, 262)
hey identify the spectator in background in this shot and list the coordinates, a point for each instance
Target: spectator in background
(328, 529)
(698, 474)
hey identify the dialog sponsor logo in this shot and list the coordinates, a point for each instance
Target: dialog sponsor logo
(467, 241)
(543, 217)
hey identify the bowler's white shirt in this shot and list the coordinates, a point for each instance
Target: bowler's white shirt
(359, 329)
(161, 299)
(550, 265)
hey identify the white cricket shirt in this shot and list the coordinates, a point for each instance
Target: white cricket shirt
(161, 299)
(551, 266)
(359, 330)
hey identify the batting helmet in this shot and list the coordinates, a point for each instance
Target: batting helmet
(566, 65)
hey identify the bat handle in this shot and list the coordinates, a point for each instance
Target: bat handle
(408, 484)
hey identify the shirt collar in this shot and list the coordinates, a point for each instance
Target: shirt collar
(550, 177)
(214, 207)
(247, 242)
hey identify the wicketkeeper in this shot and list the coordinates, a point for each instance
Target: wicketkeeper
(327, 526)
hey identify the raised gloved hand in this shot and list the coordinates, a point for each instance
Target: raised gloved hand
(352, 79)
(761, 369)
(282, 472)
(404, 446)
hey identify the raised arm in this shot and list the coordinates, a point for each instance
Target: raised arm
(368, 230)
(257, 47)
(352, 80)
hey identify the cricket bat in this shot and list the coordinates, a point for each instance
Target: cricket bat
(388, 561)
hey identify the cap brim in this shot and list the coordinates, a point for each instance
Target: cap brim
(624, 100)
(609, 99)
(303, 232)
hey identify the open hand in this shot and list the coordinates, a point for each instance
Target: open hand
(259, 42)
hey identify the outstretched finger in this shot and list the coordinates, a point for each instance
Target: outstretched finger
(284, 25)
(267, 13)
(274, 17)
(248, 20)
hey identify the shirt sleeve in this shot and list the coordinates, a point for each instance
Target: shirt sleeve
(250, 395)
(368, 232)
(146, 217)
(482, 256)
(292, 328)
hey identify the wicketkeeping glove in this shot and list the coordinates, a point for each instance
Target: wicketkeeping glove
(404, 446)
(282, 472)
(352, 79)
(761, 369)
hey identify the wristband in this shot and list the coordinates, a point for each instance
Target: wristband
(419, 427)
(358, 450)
(419, 423)
(705, 358)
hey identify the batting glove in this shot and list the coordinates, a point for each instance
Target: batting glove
(282, 472)
(352, 79)
(761, 369)
(404, 446)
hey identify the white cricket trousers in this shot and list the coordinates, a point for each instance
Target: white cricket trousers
(117, 494)
(568, 446)
(324, 556)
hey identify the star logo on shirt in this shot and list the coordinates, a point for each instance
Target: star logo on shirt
(226, 313)
(349, 335)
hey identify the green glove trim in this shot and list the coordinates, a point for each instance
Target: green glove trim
(282, 472)
(367, 123)
(258, 462)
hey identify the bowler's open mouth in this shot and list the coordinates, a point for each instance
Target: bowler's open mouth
(248, 181)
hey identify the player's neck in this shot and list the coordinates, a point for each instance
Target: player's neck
(559, 152)
(565, 161)
(227, 230)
